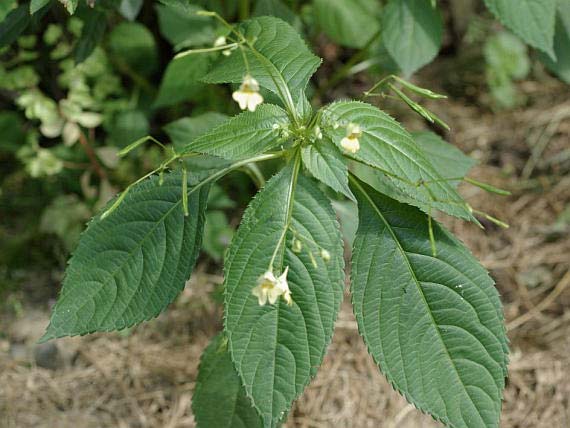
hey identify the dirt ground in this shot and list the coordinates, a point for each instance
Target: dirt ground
(145, 378)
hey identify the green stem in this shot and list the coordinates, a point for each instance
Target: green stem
(243, 10)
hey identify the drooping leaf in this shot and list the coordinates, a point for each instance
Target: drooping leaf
(180, 81)
(434, 325)
(387, 146)
(182, 27)
(92, 33)
(560, 67)
(14, 24)
(278, 9)
(284, 62)
(245, 135)
(129, 266)
(219, 399)
(326, 163)
(348, 22)
(185, 130)
(447, 159)
(133, 45)
(531, 20)
(277, 348)
(411, 33)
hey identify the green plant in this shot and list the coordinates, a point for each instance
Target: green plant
(426, 309)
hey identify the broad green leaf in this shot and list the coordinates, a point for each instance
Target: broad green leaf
(219, 399)
(244, 135)
(277, 348)
(531, 20)
(448, 160)
(434, 325)
(127, 126)
(14, 24)
(278, 9)
(387, 146)
(129, 266)
(326, 163)
(411, 33)
(12, 132)
(180, 81)
(133, 45)
(179, 24)
(36, 5)
(560, 67)
(348, 22)
(94, 27)
(283, 61)
(185, 130)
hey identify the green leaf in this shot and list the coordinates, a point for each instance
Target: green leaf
(326, 163)
(388, 147)
(94, 27)
(217, 234)
(180, 81)
(14, 24)
(126, 127)
(507, 53)
(434, 325)
(278, 9)
(130, 9)
(531, 20)
(131, 265)
(560, 67)
(411, 32)
(133, 45)
(219, 400)
(12, 132)
(283, 63)
(185, 130)
(348, 22)
(447, 159)
(36, 5)
(277, 348)
(243, 136)
(179, 24)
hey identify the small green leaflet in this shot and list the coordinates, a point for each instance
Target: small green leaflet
(219, 400)
(131, 265)
(351, 23)
(36, 5)
(434, 325)
(532, 20)
(388, 147)
(411, 33)
(327, 164)
(94, 26)
(284, 61)
(277, 348)
(560, 67)
(245, 135)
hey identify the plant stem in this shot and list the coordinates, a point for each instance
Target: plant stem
(92, 156)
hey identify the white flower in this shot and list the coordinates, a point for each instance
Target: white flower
(350, 142)
(325, 255)
(248, 96)
(318, 133)
(269, 288)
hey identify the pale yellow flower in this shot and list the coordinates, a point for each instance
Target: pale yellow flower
(269, 288)
(221, 41)
(350, 143)
(248, 96)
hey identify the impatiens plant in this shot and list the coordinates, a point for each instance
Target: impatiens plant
(426, 309)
